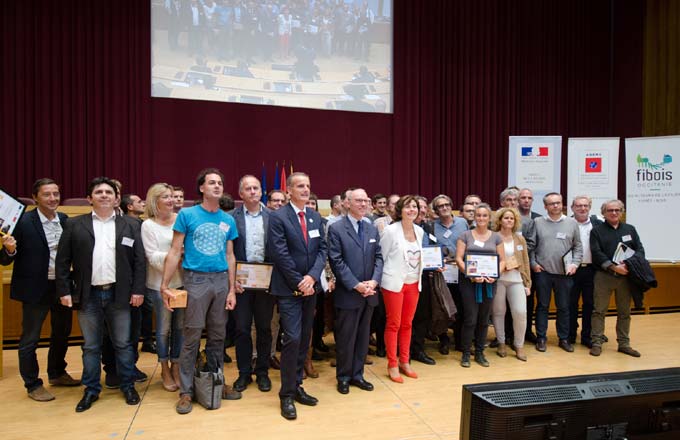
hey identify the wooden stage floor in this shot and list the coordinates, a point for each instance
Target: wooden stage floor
(424, 408)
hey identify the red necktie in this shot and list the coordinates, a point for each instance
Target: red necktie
(303, 225)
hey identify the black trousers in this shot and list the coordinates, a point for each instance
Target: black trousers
(147, 319)
(258, 306)
(378, 322)
(476, 319)
(458, 323)
(422, 318)
(319, 319)
(352, 330)
(33, 316)
(583, 287)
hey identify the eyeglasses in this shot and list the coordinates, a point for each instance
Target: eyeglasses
(443, 205)
(581, 206)
(614, 210)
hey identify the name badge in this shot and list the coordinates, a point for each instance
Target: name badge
(520, 247)
(127, 241)
(311, 220)
(224, 227)
(626, 238)
(479, 243)
(372, 240)
(432, 237)
(561, 235)
(314, 233)
(447, 234)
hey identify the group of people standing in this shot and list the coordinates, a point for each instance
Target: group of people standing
(106, 265)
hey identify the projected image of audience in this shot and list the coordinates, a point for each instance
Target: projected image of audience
(325, 54)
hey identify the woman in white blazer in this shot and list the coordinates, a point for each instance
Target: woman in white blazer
(401, 245)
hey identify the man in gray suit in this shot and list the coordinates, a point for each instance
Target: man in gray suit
(252, 221)
(356, 261)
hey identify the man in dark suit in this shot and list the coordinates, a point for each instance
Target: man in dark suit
(252, 221)
(354, 253)
(33, 249)
(109, 271)
(297, 246)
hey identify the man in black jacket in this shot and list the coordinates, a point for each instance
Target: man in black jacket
(33, 249)
(109, 272)
(613, 275)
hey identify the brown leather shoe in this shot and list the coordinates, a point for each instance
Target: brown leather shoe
(502, 350)
(520, 354)
(228, 393)
(65, 380)
(368, 361)
(630, 351)
(184, 405)
(309, 369)
(40, 394)
(595, 350)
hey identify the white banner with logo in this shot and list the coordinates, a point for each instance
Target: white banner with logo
(592, 170)
(534, 162)
(653, 194)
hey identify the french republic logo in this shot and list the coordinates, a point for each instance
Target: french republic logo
(593, 164)
(535, 151)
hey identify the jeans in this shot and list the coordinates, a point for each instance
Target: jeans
(545, 284)
(33, 317)
(169, 326)
(101, 310)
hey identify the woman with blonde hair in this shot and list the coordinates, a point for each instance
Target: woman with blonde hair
(514, 284)
(157, 237)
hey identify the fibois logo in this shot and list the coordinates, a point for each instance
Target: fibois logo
(654, 174)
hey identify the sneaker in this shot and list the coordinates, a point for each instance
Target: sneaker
(40, 394)
(630, 351)
(184, 405)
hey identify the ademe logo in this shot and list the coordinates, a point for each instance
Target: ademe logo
(651, 172)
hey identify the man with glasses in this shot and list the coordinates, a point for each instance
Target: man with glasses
(557, 256)
(467, 213)
(612, 275)
(447, 229)
(585, 274)
(276, 199)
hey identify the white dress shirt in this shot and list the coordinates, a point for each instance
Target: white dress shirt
(104, 253)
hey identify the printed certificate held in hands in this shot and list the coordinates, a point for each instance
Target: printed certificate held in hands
(10, 212)
(254, 275)
(481, 265)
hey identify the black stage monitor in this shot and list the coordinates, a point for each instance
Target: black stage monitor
(636, 405)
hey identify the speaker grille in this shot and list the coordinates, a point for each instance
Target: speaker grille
(655, 384)
(532, 396)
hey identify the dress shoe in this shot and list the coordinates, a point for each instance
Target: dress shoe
(381, 352)
(309, 369)
(228, 393)
(408, 372)
(368, 361)
(139, 375)
(343, 386)
(481, 359)
(502, 350)
(443, 348)
(184, 405)
(322, 347)
(131, 396)
(305, 399)
(465, 360)
(630, 351)
(65, 380)
(520, 354)
(264, 384)
(149, 346)
(566, 346)
(423, 357)
(362, 384)
(596, 350)
(226, 358)
(86, 402)
(530, 337)
(274, 363)
(288, 408)
(431, 336)
(40, 394)
(242, 382)
(494, 343)
(541, 345)
(112, 381)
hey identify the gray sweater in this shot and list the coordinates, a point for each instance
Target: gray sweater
(554, 240)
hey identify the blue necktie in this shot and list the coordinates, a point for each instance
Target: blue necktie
(361, 231)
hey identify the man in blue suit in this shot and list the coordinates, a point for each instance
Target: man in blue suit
(356, 261)
(33, 249)
(297, 246)
(252, 221)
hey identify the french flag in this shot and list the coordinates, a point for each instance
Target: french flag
(535, 151)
